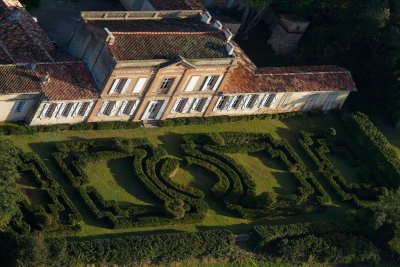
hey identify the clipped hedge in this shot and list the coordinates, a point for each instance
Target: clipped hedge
(156, 248)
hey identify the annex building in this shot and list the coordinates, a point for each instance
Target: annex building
(166, 61)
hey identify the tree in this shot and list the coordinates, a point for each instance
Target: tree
(253, 12)
(33, 251)
(9, 196)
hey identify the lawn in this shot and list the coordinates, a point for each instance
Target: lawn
(115, 180)
(268, 174)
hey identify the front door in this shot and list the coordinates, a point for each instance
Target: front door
(154, 109)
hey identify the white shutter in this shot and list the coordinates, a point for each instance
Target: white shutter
(206, 104)
(114, 108)
(232, 102)
(163, 107)
(116, 81)
(188, 105)
(60, 111)
(56, 110)
(71, 112)
(135, 106)
(139, 85)
(262, 103)
(205, 83)
(192, 84)
(218, 83)
(123, 106)
(216, 104)
(126, 86)
(228, 103)
(259, 98)
(44, 110)
(78, 107)
(176, 105)
(246, 101)
(89, 108)
(103, 107)
(196, 101)
(273, 101)
(147, 112)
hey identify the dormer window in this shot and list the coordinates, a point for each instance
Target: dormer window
(166, 85)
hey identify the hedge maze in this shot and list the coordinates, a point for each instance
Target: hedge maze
(55, 213)
(150, 165)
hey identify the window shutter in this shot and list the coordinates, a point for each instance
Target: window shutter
(216, 104)
(112, 90)
(135, 106)
(258, 100)
(196, 101)
(44, 110)
(192, 83)
(206, 104)
(78, 107)
(205, 83)
(103, 107)
(89, 108)
(232, 102)
(228, 103)
(246, 101)
(139, 85)
(126, 86)
(60, 111)
(188, 105)
(262, 102)
(176, 105)
(114, 108)
(55, 112)
(71, 112)
(160, 113)
(123, 106)
(273, 101)
(218, 83)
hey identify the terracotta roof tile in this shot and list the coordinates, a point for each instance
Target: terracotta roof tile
(246, 78)
(168, 45)
(18, 80)
(68, 81)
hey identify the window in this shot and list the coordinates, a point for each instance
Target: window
(270, 100)
(19, 106)
(128, 108)
(285, 99)
(118, 85)
(166, 85)
(109, 108)
(67, 110)
(211, 81)
(237, 102)
(200, 104)
(222, 102)
(252, 101)
(50, 111)
(181, 105)
(83, 109)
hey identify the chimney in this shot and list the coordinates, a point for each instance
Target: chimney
(206, 18)
(230, 48)
(45, 78)
(218, 25)
(228, 35)
(110, 38)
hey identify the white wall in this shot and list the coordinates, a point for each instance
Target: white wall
(9, 102)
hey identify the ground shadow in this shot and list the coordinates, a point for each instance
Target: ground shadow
(124, 175)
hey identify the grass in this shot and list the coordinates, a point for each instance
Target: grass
(344, 168)
(268, 174)
(115, 181)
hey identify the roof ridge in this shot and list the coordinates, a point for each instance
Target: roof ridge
(167, 33)
(297, 73)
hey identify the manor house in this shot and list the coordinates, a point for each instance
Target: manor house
(169, 61)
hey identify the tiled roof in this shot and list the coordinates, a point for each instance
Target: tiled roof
(163, 39)
(177, 4)
(246, 78)
(68, 81)
(144, 46)
(18, 80)
(21, 38)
